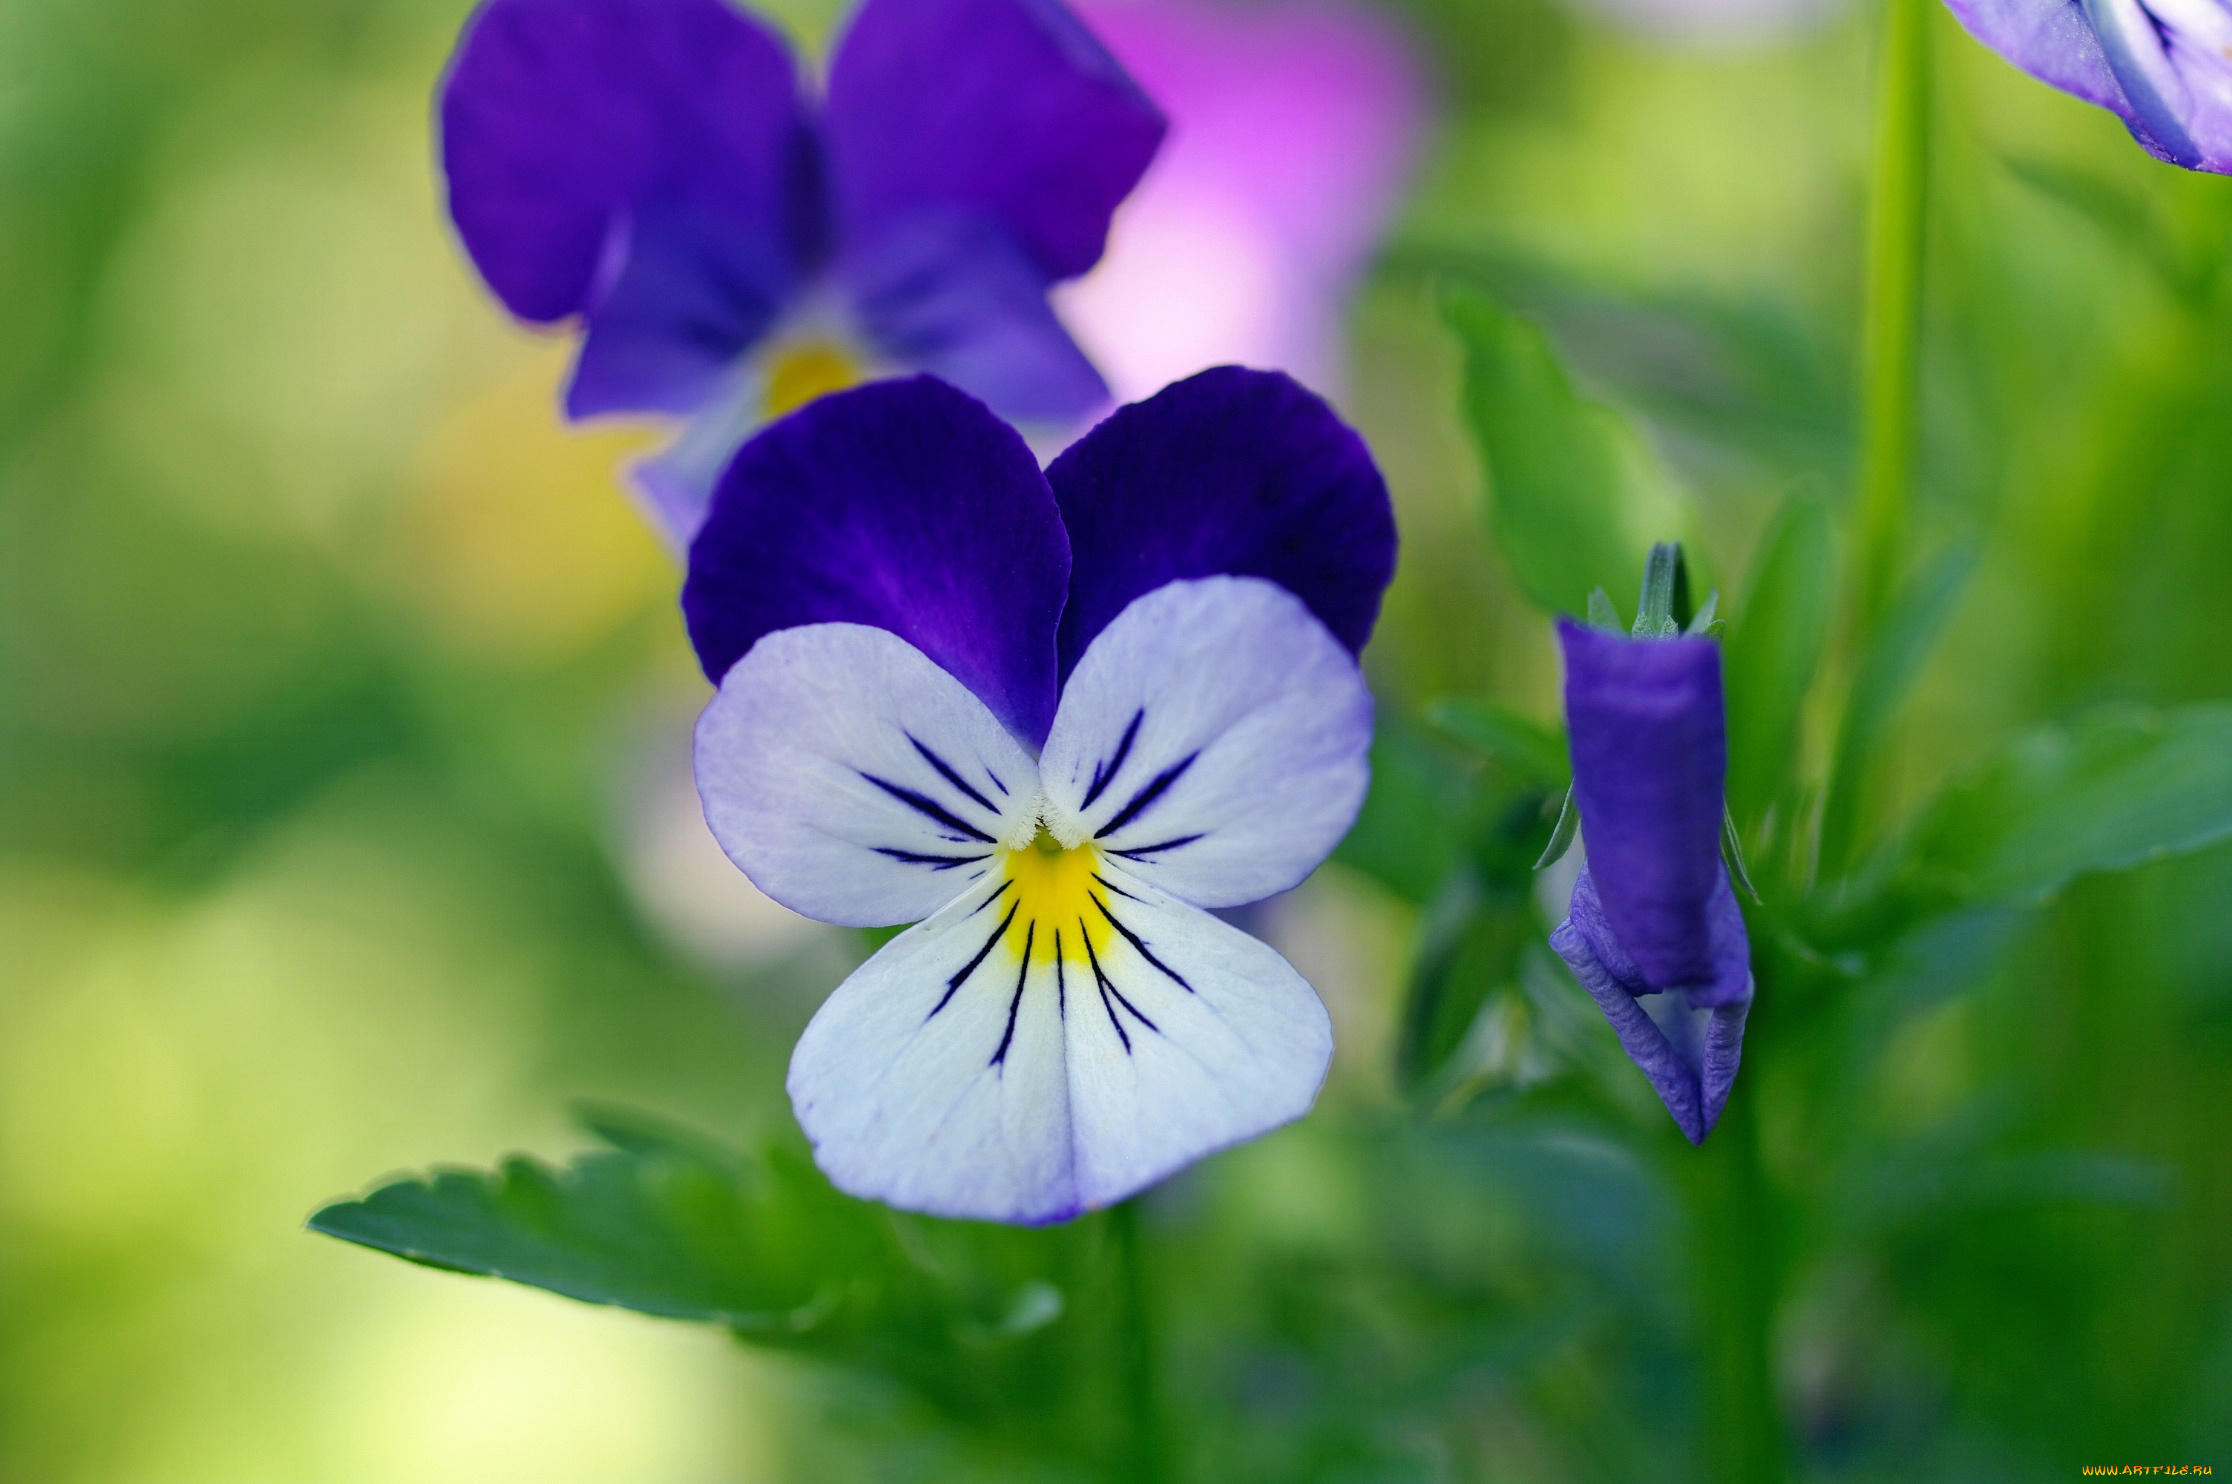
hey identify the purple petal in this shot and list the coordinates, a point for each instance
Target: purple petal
(1687, 1042)
(2049, 39)
(954, 295)
(904, 505)
(575, 133)
(1004, 108)
(1650, 753)
(1230, 471)
(2162, 68)
(666, 336)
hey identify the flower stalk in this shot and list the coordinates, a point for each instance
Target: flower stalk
(1891, 314)
(1890, 378)
(1145, 1459)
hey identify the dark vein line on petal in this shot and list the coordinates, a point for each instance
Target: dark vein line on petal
(970, 967)
(1141, 944)
(1139, 850)
(945, 771)
(1100, 981)
(996, 783)
(1112, 886)
(1023, 974)
(929, 808)
(997, 893)
(1104, 773)
(934, 862)
(1061, 990)
(1145, 797)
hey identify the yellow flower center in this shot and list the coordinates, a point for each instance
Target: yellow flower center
(799, 373)
(1057, 894)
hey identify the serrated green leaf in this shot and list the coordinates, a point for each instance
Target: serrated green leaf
(975, 1319)
(1527, 747)
(648, 1227)
(1772, 650)
(1571, 488)
(2122, 787)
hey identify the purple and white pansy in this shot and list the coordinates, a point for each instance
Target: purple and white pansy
(1050, 719)
(2162, 66)
(733, 245)
(1654, 932)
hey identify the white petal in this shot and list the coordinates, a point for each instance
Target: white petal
(935, 1077)
(1023, 1056)
(1213, 738)
(854, 780)
(1191, 1039)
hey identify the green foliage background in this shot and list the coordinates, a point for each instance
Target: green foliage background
(336, 687)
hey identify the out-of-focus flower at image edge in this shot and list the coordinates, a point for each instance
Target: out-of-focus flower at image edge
(1049, 718)
(657, 170)
(1654, 932)
(2162, 66)
(1293, 126)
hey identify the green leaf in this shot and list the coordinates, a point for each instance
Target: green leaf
(1469, 945)
(978, 1322)
(1410, 833)
(2129, 220)
(1573, 496)
(2122, 787)
(1772, 650)
(653, 1225)
(1530, 749)
(1893, 659)
(974, 1319)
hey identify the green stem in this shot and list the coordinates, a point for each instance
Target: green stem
(1738, 1283)
(1890, 362)
(1891, 314)
(1138, 1348)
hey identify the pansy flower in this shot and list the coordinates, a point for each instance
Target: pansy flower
(2162, 66)
(1654, 933)
(1051, 719)
(733, 246)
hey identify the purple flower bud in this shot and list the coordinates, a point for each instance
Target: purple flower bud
(1654, 933)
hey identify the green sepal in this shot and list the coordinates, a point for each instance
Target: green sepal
(1602, 615)
(1561, 833)
(1732, 851)
(1663, 608)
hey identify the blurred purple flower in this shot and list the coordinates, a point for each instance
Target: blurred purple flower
(1654, 932)
(2163, 66)
(734, 247)
(1293, 126)
(1050, 718)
